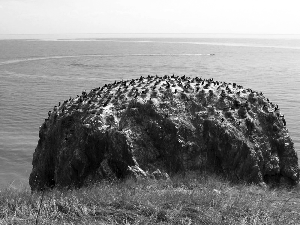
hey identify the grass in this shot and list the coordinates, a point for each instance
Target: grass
(192, 199)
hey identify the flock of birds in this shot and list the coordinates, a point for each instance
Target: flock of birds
(155, 89)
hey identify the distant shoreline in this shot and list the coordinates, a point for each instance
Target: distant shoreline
(144, 35)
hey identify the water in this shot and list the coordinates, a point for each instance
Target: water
(36, 74)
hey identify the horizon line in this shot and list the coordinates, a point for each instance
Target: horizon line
(147, 33)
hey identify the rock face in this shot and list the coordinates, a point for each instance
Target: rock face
(174, 124)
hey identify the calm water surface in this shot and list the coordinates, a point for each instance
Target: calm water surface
(36, 74)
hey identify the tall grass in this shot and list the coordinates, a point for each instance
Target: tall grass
(190, 199)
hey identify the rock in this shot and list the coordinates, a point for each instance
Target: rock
(169, 124)
(158, 175)
(137, 172)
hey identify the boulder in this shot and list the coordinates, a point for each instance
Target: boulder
(168, 124)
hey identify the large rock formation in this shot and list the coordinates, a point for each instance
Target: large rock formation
(174, 124)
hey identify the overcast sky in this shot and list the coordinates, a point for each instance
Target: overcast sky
(149, 16)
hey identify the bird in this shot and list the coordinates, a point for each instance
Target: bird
(168, 85)
(284, 122)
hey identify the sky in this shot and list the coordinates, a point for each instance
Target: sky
(145, 16)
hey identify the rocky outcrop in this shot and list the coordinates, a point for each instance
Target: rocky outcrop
(169, 124)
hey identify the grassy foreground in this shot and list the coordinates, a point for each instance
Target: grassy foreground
(193, 199)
